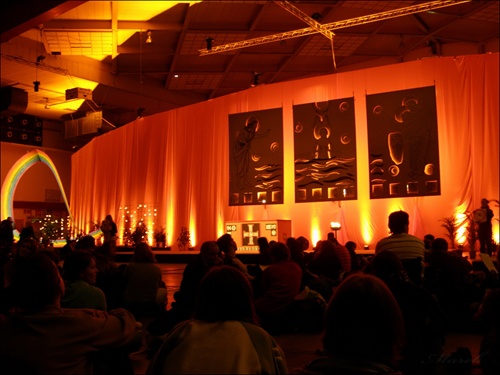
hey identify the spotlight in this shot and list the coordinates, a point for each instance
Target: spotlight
(140, 112)
(255, 81)
(36, 86)
(209, 41)
(335, 226)
(149, 39)
(40, 58)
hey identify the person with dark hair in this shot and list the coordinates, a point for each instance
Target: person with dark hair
(483, 217)
(488, 315)
(109, 229)
(264, 253)
(182, 308)
(6, 238)
(223, 337)
(280, 284)
(423, 317)
(228, 248)
(354, 344)
(145, 294)
(24, 249)
(351, 247)
(408, 248)
(446, 277)
(79, 274)
(326, 267)
(40, 337)
(27, 232)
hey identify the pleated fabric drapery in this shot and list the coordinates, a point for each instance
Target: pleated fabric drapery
(177, 162)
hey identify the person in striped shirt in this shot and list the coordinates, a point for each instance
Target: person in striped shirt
(408, 248)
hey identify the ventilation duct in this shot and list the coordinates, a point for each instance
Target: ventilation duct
(13, 101)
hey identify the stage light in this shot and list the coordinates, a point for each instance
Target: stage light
(209, 41)
(36, 86)
(335, 226)
(149, 39)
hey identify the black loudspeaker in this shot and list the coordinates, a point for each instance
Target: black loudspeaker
(13, 100)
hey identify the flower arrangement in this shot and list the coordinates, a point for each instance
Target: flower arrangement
(184, 239)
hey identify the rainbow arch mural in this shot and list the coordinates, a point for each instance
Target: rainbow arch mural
(12, 179)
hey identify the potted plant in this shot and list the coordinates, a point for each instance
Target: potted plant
(140, 233)
(184, 239)
(451, 229)
(471, 235)
(160, 237)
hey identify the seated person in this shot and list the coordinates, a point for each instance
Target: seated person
(223, 337)
(364, 330)
(228, 248)
(326, 267)
(424, 319)
(184, 304)
(446, 277)
(79, 274)
(145, 293)
(40, 337)
(280, 284)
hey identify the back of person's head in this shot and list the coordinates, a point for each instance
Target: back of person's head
(27, 247)
(398, 222)
(304, 242)
(439, 244)
(224, 242)
(428, 238)
(263, 243)
(279, 252)
(27, 232)
(143, 253)
(296, 252)
(350, 245)
(35, 284)
(86, 243)
(209, 252)
(363, 321)
(109, 218)
(387, 266)
(325, 248)
(225, 294)
(76, 263)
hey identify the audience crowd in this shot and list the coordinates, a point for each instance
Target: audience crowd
(75, 310)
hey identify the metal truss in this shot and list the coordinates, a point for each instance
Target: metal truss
(304, 17)
(417, 8)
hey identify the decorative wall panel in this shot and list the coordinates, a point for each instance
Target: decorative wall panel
(325, 151)
(256, 157)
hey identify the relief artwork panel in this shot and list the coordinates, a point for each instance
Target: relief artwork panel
(325, 151)
(256, 157)
(403, 143)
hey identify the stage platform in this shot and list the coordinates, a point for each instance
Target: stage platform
(167, 255)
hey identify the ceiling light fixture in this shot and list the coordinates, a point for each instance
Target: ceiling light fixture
(255, 81)
(209, 41)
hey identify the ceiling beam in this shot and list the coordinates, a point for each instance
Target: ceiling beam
(18, 17)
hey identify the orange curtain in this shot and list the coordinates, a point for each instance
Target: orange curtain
(177, 162)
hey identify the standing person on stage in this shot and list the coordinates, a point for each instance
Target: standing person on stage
(483, 217)
(109, 229)
(408, 248)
